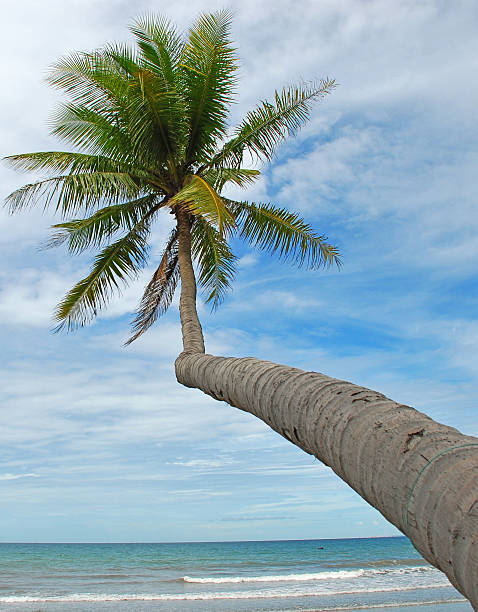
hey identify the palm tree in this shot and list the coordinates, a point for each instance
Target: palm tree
(151, 124)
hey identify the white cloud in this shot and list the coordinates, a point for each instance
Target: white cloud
(247, 260)
(17, 476)
(202, 463)
(28, 296)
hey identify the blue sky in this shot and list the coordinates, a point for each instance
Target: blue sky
(99, 442)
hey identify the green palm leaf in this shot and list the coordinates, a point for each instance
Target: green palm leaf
(215, 260)
(279, 230)
(75, 192)
(105, 139)
(160, 44)
(112, 267)
(93, 80)
(264, 128)
(208, 66)
(98, 133)
(151, 122)
(159, 292)
(161, 48)
(137, 125)
(81, 234)
(243, 177)
(63, 161)
(204, 201)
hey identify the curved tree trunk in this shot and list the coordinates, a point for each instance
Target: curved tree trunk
(421, 475)
(193, 340)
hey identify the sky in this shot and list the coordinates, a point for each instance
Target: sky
(99, 442)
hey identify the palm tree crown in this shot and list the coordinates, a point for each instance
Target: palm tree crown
(150, 130)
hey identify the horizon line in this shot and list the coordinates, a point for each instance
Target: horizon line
(212, 541)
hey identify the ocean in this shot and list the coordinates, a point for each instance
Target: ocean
(309, 575)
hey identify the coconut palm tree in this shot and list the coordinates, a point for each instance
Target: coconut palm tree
(151, 127)
(151, 132)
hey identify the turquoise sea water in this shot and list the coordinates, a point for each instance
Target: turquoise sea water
(353, 574)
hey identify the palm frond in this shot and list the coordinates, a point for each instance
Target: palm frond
(265, 127)
(94, 80)
(75, 192)
(208, 67)
(243, 177)
(152, 124)
(203, 200)
(72, 162)
(161, 46)
(112, 268)
(151, 105)
(94, 231)
(159, 292)
(99, 133)
(118, 106)
(105, 138)
(278, 230)
(215, 260)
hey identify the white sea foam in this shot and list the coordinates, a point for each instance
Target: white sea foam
(283, 578)
(337, 575)
(264, 594)
(381, 606)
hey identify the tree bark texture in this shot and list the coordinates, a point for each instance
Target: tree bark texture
(193, 340)
(421, 475)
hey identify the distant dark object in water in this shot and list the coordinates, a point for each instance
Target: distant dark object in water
(320, 548)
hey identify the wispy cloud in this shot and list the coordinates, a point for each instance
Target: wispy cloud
(202, 463)
(17, 476)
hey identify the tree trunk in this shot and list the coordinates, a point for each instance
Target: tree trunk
(193, 340)
(421, 475)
